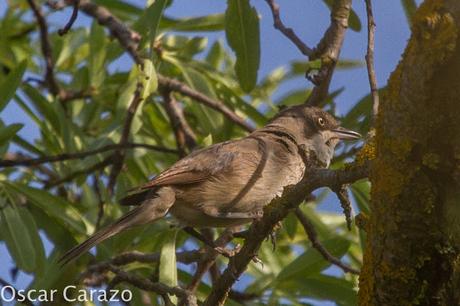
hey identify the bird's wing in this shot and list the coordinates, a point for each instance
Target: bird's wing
(194, 168)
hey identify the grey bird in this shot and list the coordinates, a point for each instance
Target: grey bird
(229, 183)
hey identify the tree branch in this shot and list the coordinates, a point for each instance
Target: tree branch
(313, 236)
(46, 48)
(288, 32)
(185, 137)
(119, 155)
(146, 284)
(174, 85)
(328, 50)
(273, 213)
(72, 19)
(14, 160)
(370, 59)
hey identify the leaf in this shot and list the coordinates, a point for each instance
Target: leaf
(323, 287)
(353, 20)
(148, 23)
(8, 132)
(57, 208)
(16, 236)
(11, 83)
(290, 224)
(168, 268)
(242, 32)
(409, 6)
(361, 194)
(215, 22)
(97, 55)
(312, 261)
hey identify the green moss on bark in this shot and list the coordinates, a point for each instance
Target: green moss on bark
(412, 254)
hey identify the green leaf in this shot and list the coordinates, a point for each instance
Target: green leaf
(409, 6)
(322, 287)
(353, 20)
(148, 23)
(168, 268)
(37, 244)
(8, 132)
(57, 208)
(361, 193)
(97, 55)
(11, 83)
(242, 32)
(16, 236)
(215, 22)
(312, 262)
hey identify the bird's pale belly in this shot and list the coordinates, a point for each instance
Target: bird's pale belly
(216, 201)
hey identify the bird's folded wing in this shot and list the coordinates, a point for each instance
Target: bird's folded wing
(195, 168)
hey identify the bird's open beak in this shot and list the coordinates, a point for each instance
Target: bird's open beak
(344, 134)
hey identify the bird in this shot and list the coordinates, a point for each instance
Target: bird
(229, 183)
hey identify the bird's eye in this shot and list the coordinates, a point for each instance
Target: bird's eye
(321, 121)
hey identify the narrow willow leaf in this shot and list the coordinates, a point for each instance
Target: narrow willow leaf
(97, 55)
(37, 244)
(242, 32)
(168, 267)
(55, 207)
(8, 132)
(16, 236)
(148, 23)
(409, 6)
(312, 262)
(215, 22)
(11, 83)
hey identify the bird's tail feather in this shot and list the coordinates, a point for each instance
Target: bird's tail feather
(121, 224)
(154, 206)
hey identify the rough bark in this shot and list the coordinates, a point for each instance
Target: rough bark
(413, 248)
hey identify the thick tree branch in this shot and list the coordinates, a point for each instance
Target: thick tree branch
(288, 32)
(370, 59)
(313, 236)
(17, 160)
(277, 210)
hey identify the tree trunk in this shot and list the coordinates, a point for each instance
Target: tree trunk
(412, 255)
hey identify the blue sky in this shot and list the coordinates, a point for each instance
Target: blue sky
(309, 18)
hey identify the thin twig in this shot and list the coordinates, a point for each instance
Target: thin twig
(46, 48)
(100, 165)
(313, 236)
(146, 284)
(174, 85)
(185, 137)
(288, 32)
(119, 155)
(31, 162)
(72, 19)
(370, 60)
(127, 38)
(342, 195)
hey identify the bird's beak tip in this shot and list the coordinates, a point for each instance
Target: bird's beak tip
(345, 134)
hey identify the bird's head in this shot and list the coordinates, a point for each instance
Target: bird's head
(315, 129)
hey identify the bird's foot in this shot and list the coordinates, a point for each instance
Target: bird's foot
(228, 252)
